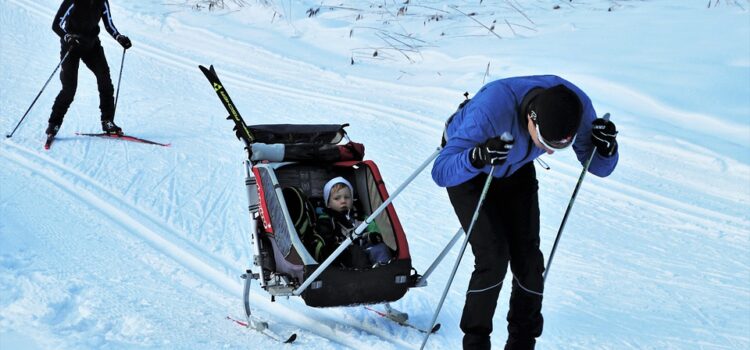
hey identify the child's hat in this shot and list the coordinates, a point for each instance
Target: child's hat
(329, 185)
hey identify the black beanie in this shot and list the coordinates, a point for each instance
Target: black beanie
(558, 112)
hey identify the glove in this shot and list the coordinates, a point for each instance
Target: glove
(124, 41)
(72, 40)
(603, 134)
(493, 152)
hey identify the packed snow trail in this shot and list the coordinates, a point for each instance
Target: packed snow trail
(109, 244)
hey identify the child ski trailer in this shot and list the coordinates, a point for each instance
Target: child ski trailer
(287, 174)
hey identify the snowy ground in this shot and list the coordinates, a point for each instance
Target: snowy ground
(107, 244)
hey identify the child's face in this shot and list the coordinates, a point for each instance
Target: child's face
(341, 200)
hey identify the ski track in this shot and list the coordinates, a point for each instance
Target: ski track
(199, 262)
(423, 123)
(620, 192)
(236, 80)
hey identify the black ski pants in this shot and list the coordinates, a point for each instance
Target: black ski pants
(506, 231)
(93, 56)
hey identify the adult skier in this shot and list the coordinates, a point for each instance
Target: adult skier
(77, 24)
(542, 114)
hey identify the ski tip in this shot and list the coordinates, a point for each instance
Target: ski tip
(48, 143)
(291, 339)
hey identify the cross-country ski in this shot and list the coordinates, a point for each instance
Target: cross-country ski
(124, 137)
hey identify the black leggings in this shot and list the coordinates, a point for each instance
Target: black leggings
(93, 57)
(506, 231)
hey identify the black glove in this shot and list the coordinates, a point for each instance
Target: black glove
(124, 41)
(493, 152)
(603, 134)
(72, 40)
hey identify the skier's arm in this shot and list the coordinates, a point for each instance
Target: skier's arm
(61, 18)
(109, 25)
(453, 166)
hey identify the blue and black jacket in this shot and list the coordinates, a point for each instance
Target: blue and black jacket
(497, 108)
(82, 17)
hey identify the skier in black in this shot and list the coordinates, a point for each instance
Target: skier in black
(509, 123)
(77, 24)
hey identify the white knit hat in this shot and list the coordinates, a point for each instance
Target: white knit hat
(333, 182)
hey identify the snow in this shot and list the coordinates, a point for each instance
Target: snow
(107, 244)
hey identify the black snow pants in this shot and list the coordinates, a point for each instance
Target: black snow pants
(506, 231)
(92, 54)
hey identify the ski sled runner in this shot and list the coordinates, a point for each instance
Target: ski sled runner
(286, 170)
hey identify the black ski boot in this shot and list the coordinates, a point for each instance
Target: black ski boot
(52, 129)
(110, 127)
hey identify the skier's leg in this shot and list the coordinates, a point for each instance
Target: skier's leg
(526, 261)
(69, 80)
(490, 262)
(97, 63)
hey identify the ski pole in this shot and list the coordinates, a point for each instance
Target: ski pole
(570, 206)
(39, 94)
(117, 94)
(474, 218)
(361, 228)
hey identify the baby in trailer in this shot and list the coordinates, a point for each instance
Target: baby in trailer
(338, 219)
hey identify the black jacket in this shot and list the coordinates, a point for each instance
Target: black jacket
(82, 17)
(333, 226)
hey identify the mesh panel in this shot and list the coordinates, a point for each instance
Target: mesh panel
(383, 220)
(281, 232)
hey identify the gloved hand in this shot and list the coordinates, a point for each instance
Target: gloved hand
(603, 136)
(493, 152)
(124, 41)
(72, 40)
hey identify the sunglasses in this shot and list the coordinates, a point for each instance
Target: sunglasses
(557, 145)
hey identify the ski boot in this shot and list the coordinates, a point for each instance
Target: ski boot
(109, 127)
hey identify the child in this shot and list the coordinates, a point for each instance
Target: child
(336, 222)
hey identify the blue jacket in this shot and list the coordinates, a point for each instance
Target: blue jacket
(496, 108)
